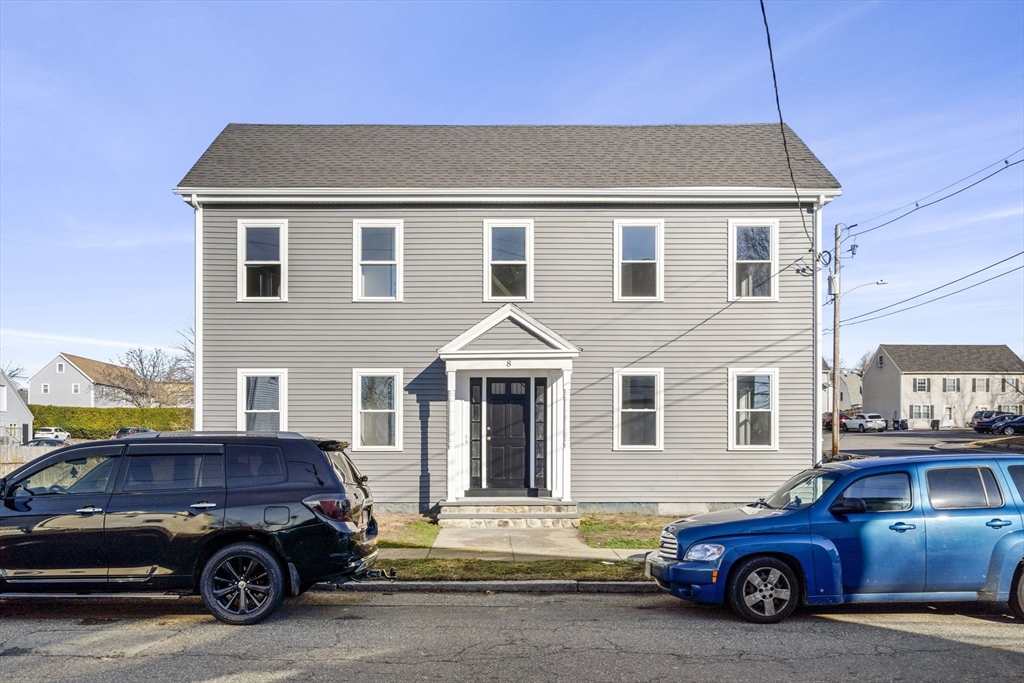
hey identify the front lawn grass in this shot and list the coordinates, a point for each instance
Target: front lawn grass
(626, 530)
(406, 531)
(490, 570)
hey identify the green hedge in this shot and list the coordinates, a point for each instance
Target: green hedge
(101, 423)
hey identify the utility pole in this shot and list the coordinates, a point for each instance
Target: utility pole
(836, 291)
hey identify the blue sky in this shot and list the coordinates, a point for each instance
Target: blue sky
(104, 107)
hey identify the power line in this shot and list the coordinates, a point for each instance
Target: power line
(1004, 160)
(944, 296)
(782, 126)
(918, 207)
(934, 289)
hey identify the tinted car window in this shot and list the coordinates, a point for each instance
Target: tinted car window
(881, 492)
(212, 473)
(254, 466)
(88, 471)
(963, 487)
(1017, 475)
(162, 472)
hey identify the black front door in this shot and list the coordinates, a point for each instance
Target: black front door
(508, 432)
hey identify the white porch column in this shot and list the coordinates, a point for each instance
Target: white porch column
(566, 440)
(454, 469)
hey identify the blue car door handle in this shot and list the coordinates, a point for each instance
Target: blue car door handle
(998, 523)
(900, 527)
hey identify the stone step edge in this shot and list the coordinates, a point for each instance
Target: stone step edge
(507, 515)
(545, 586)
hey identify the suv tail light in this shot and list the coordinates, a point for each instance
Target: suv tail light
(344, 508)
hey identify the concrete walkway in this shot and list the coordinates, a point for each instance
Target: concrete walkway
(511, 545)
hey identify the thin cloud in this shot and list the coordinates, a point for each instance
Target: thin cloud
(71, 339)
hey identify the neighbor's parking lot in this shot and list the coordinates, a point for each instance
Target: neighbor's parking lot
(891, 443)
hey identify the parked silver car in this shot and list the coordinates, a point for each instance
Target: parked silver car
(865, 421)
(51, 433)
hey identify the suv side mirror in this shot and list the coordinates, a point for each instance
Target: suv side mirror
(848, 506)
(3, 487)
(363, 479)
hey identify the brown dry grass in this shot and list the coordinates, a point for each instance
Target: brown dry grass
(623, 530)
(406, 531)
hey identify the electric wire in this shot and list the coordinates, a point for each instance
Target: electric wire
(782, 127)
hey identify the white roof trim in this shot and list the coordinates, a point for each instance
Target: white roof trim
(504, 194)
(561, 346)
(61, 355)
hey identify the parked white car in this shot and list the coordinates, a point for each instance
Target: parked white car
(864, 422)
(51, 433)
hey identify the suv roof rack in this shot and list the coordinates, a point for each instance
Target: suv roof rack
(265, 435)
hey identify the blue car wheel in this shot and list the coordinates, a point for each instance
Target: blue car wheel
(763, 590)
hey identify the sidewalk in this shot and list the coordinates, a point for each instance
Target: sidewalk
(511, 545)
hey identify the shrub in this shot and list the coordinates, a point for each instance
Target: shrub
(101, 423)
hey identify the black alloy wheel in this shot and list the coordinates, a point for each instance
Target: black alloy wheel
(763, 590)
(242, 584)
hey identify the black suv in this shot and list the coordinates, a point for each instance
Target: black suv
(241, 519)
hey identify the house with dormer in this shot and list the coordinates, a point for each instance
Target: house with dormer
(619, 317)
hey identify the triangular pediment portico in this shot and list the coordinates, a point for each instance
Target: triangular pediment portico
(509, 333)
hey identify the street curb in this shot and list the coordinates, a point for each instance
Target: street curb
(549, 586)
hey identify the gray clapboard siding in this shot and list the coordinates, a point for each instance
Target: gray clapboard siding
(320, 335)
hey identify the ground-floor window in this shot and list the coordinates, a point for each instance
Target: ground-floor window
(263, 400)
(920, 412)
(377, 409)
(639, 412)
(1011, 408)
(753, 413)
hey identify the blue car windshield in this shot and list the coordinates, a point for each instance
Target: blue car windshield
(802, 490)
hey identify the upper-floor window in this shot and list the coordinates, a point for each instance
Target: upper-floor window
(60, 367)
(753, 260)
(951, 385)
(262, 260)
(377, 260)
(753, 412)
(880, 362)
(1010, 383)
(377, 410)
(922, 384)
(980, 385)
(45, 388)
(262, 400)
(639, 413)
(639, 260)
(508, 260)
(76, 388)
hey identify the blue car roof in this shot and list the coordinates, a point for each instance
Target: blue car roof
(917, 458)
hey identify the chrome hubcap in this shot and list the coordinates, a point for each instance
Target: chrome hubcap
(766, 591)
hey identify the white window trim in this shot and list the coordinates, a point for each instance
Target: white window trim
(282, 225)
(44, 388)
(918, 381)
(659, 246)
(981, 385)
(398, 225)
(922, 406)
(508, 223)
(282, 399)
(946, 384)
(733, 374)
(358, 373)
(659, 404)
(76, 388)
(60, 368)
(735, 223)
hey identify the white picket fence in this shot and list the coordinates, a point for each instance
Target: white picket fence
(13, 457)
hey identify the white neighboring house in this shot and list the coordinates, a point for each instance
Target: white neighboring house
(851, 391)
(921, 383)
(14, 414)
(70, 380)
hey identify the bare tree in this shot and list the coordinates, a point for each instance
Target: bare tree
(863, 363)
(139, 377)
(181, 376)
(15, 370)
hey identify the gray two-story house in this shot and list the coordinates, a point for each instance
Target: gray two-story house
(605, 315)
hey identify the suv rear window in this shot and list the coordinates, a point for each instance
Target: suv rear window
(963, 487)
(254, 465)
(345, 468)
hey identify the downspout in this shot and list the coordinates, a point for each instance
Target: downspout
(815, 430)
(197, 386)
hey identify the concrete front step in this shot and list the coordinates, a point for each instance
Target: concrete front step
(517, 513)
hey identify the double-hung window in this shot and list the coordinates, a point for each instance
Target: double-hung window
(920, 412)
(639, 260)
(639, 409)
(377, 260)
(753, 409)
(952, 385)
(262, 260)
(377, 409)
(46, 388)
(922, 384)
(1010, 384)
(980, 385)
(76, 388)
(508, 260)
(263, 400)
(60, 367)
(753, 257)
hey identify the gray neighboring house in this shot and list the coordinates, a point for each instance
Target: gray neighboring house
(69, 380)
(920, 383)
(623, 317)
(14, 414)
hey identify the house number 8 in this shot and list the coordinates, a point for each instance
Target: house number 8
(508, 364)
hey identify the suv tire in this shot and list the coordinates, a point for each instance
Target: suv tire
(1017, 594)
(763, 590)
(242, 584)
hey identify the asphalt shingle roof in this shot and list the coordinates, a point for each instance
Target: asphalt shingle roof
(96, 370)
(571, 157)
(955, 358)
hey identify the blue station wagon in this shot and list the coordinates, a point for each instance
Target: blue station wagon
(914, 528)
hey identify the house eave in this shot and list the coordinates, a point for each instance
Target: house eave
(604, 195)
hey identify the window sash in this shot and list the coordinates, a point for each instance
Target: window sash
(369, 418)
(362, 265)
(920, 412)
(753, 420)
(952, 385)
(735, 281)
(490, 262)
(620, 260)
(251, 417)
(275, 268)
(625, 424)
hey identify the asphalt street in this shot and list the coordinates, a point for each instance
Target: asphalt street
(503, 637)
(891, 443)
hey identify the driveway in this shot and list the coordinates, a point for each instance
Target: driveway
(890, 443)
